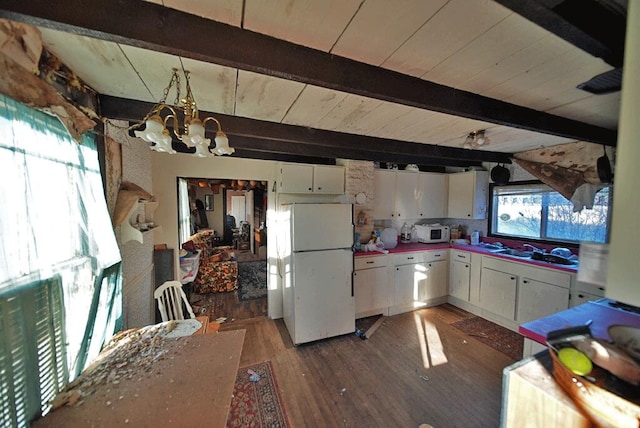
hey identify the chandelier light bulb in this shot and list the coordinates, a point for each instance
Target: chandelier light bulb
(222, 144)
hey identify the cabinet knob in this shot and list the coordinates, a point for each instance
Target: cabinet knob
(310, 189)
(525, 281)
(319, 188)
(461, 256)
(581, 296)
(409, 258)
(513, 277)
(466, 266)
(436, 255)
(370, 262)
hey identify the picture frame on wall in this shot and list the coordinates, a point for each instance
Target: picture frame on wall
(208, 202)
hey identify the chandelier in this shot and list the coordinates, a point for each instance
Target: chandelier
(156, 132)
(476, 139)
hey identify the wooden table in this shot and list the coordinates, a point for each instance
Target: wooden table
(191, 385)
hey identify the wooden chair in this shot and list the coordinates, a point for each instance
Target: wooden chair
(170, 298)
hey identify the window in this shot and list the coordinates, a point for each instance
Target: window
(534, 211)
(60, 274)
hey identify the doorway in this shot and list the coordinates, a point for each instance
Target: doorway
(236, 216)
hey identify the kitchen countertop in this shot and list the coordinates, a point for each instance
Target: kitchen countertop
(404, 248)
(600, 314)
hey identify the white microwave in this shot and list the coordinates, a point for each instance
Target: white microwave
(432, 234)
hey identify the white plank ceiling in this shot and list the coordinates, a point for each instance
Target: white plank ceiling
(473, 45)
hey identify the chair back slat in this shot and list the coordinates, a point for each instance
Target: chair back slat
(170, 298)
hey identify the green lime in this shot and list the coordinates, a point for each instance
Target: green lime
(575, 360)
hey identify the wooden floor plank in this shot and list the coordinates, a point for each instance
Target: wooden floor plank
(382, 375)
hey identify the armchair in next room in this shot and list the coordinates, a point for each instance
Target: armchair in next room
(218, 270)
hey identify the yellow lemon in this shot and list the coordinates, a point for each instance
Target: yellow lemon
(575, 360)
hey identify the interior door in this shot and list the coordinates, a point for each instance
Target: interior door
(238, 209)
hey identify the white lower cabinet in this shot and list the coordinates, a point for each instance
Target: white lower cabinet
(408, 281)
(420, 279)
(409, 277)
(436, 284)
(513, 293)
(538, 299)
(371, 286)
(460, 275)
(582, 292)
(498, 291)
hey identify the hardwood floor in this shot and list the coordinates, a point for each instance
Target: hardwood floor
(416, 368)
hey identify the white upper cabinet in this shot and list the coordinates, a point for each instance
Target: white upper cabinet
(328, 179)
(468, 195)
(384, 204)
(432, 195)
(406, 195)
(409, 195)
(304, 178)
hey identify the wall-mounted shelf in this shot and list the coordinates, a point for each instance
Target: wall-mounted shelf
(139, 221)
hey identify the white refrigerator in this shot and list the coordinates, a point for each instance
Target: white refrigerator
(318, 267)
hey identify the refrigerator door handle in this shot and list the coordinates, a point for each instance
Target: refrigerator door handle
(352, 281)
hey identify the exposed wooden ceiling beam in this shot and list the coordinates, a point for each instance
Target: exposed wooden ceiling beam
(587, 24)
(258, 145)
(316, 142)
(151, 26)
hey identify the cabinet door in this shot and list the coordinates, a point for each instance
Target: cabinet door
(328, 179)
(460, 195)
(409, 280)
(580, 297)
(406, 195)
(459, 279)
(296, 178)
(480, 196)
(498, 293)
(432, 195)
(384, 182)
(370, 289)
(538, 299)
(436, 282)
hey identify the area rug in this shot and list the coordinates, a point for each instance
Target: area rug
(257, 404)
(252, 280)
(502, 339)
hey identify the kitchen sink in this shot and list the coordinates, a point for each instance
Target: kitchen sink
(514, 252)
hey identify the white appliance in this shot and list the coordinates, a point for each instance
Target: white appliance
(317, 259)
(431, 234)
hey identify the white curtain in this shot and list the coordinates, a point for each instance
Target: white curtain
(184, 211)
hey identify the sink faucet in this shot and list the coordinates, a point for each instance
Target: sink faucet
(535, 249)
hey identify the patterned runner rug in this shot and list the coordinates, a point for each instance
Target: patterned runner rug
(252, 280)
(502, 339)
(257, 404)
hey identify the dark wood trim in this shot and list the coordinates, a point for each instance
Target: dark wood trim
(151, 26)
(315, 142)
(585, 24)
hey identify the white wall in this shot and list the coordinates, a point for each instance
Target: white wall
(624, 269)
(166, 168)
(137, 257)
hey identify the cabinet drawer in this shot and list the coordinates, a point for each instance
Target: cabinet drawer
(407, 258)
(435, 255)
(364, 262)
(461, 256)
(585, 287)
